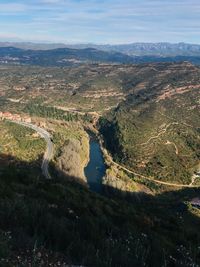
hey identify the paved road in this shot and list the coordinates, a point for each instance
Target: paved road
(49, 151)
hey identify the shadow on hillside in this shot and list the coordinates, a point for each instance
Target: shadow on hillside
(12, 169)
(184, 194)
(65, 216)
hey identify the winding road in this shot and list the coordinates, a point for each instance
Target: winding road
(151, 179)
(48, 155)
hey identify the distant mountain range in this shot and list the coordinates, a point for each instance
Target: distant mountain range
(50, 55)
(60, 56)
(149, 49)
(134, 49)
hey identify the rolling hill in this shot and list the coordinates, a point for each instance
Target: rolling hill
(79, 55)
(163, 49)
(60, 56)
(155, 130)
(149, 117)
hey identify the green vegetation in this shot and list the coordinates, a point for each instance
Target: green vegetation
(91, 230)
(150, 132)
(157, 136)
(84, 88)
(54, 113)
(71, 148)
(150, 124)
(20, 142)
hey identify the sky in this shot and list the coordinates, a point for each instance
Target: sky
(100, 21)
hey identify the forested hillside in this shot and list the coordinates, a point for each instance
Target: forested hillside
(155, 131)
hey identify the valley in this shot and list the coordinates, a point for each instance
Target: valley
(99, 133)
(122, 158)
(150, 110)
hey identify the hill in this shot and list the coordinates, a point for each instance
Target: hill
(134, 49)
(59, 222)
(83, 54)
(59, 57)
(149, 118)
(155, 131)
(153, 49)
(151, 111)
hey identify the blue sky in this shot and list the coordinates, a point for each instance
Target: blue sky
(100, 21)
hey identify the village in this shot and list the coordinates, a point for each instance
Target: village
(14, 117)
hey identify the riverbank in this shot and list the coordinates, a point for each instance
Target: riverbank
(71, 149)
(161, 185)
(116, 179)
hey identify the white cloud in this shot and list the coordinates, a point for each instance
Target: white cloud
(12, 8)
(51, 1)
(103, 21)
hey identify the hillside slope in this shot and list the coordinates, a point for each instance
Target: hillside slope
(60, 223)
(156, 130)
(74, 56)
(59, 56)
(163, 49)
(155, 122)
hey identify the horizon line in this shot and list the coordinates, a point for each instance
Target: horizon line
(43, 42)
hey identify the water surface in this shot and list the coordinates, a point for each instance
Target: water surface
(95, 170)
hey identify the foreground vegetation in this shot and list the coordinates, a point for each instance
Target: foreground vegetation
(60, 222)
(74, 225)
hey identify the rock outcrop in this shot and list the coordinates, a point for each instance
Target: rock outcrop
(73, 158)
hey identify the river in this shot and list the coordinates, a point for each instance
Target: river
(95, 170)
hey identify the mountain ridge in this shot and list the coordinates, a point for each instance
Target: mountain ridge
(133, 49)
(60, 56)
(65, 56)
